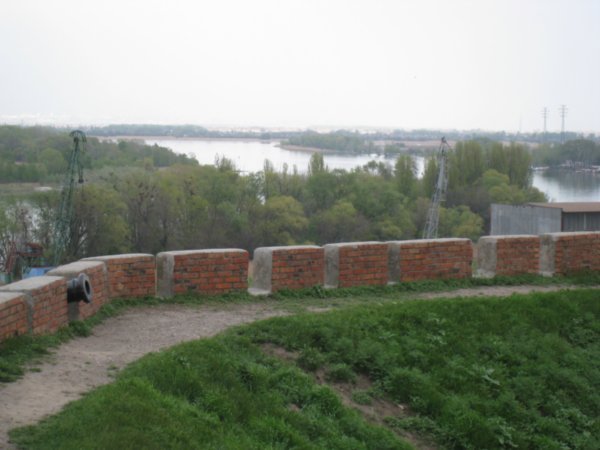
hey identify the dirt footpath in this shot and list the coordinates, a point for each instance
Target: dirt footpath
(82, 364)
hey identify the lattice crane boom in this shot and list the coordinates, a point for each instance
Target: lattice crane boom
(65, 208)
(439, 194)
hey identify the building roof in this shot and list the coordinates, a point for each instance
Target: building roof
(571, 207)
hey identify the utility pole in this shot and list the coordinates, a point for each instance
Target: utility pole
(563, 113)
(545, 116)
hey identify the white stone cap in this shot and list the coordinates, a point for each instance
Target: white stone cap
(288, 247)
(555, 236)
(30, 284)
(121, 256)
(78, 266)
(8, 296)
(354, 244)
(429, 241)
(208, 250)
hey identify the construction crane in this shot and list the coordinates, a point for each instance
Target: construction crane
(65, 208)
(439, 194)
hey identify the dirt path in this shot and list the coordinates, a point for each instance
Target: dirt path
(82, 364)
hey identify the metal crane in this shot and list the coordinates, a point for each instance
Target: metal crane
(65, 208)
(439, 194)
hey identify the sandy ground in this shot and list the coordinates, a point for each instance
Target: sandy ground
(82, 364)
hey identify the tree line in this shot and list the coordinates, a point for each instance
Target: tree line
(40, 154)
(583, 152)
(340, 141)
(193, 206)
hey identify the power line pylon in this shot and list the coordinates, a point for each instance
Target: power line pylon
(545, 116)
(439, 194)
(563, 113)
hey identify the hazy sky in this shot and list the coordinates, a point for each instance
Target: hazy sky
(407, 64)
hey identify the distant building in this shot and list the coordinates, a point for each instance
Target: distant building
(540, 218)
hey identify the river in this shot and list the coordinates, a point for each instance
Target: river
(249, 156)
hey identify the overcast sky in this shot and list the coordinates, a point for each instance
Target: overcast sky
(408, 64)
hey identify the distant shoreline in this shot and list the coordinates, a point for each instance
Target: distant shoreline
(291, 148)
(176, 138)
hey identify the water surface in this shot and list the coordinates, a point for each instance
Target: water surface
(249, 156)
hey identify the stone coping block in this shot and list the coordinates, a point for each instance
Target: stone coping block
(97, 273)
(569, 252)
(129, 275)
(46, 299)
(13, 315)
(356, 264)
(429, 259)
(205, 271)
(508, 255)
(287, 267)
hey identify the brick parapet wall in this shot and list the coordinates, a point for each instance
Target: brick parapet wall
(508, 255)
(129, 275)
(38, 305)
(564, 253)
(98, 276)
(428, 259)
(292, 267)
(212, 272)
(46, 300)
(13, 315)
(356, 264)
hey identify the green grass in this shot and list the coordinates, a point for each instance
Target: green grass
(213, 394)
(521, 371)
(20, 352)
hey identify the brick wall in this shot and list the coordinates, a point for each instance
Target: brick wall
(356, 264)
(129, 276)
(13, 314)
(429, 259)
(214, 271)
(39, 305)
(563, 253)
(97, 273)
(46, 299)
(292, 267)
(508, 255)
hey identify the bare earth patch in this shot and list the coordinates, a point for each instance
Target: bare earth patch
(83, 364)
(375, 411)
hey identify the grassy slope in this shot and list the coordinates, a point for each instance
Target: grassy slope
(479, 373)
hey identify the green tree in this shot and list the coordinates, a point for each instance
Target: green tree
(406, 175)
(53, 160)
(460, 222)
(316, 164)
(283, 221)
(429, 180)
(519, 163)
(98, 226)
(341, 223)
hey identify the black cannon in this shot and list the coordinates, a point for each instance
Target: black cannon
(79, 289)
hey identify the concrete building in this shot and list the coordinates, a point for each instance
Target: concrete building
(540, 218)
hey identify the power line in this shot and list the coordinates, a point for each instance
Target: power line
(563, 113)
(545, 116)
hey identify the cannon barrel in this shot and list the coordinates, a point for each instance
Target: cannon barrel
(79, 289)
